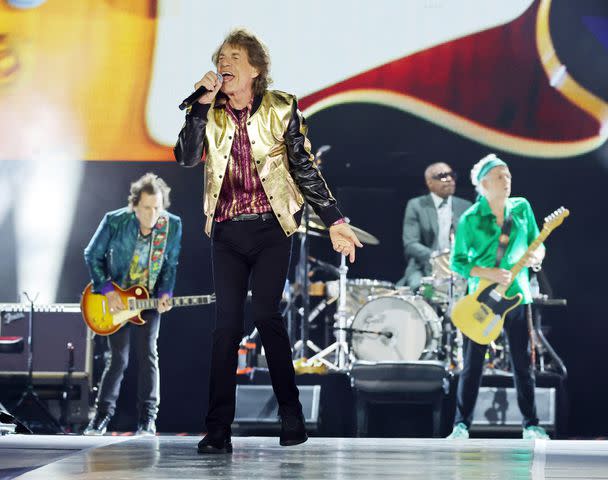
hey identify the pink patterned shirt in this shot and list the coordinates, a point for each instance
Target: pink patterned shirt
(242, 190)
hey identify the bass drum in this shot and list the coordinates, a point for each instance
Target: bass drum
(395, 328)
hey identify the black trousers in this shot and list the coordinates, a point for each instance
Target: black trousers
(148, 380)
(245, 253)
(516, 329)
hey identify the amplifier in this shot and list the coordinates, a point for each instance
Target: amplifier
(257, 407)
(52, 331)
(497, 408)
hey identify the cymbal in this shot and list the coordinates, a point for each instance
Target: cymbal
(315, 222)
(313, 233)
(365, 237)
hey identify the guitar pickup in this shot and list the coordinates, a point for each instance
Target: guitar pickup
(494, 295)
(481, 314)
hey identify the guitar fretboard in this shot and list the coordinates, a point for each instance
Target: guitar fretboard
(176, 301)
(551, 222)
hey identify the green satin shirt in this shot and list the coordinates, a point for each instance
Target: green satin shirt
(476, 242)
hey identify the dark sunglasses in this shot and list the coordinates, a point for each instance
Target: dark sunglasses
(443, 176)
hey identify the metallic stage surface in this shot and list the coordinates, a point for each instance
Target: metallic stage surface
(175, 457)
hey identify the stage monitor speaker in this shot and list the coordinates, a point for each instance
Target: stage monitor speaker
(497, 409)
(69, 406)
(257, 408)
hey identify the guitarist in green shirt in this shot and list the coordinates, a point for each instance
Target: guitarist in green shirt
(474, 256)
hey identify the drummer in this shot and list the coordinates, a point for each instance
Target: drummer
(429, 222)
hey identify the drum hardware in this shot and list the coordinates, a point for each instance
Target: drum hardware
(326, 267)
(340, 347)
(441, 289)
(311, 223)
(323, 304)
(497, 359)
(302, 277)
(371, 332)
(543, 346)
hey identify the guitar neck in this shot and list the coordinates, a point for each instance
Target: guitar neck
(189, 301)
(522, 261)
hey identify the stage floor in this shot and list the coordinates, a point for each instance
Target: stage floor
(175, 457)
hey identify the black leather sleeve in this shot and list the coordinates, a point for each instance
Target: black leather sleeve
(188, 150)
(307, 176)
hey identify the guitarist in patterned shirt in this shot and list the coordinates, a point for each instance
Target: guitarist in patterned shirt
(135, 245)
(475, 256)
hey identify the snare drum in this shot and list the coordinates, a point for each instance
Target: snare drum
(358, 291)
(437, 290)
(397, 328)
(436, 287)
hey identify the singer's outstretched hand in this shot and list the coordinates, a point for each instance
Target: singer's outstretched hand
(212, 83)
(344, 240)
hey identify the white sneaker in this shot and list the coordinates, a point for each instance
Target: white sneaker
(460, 431)
(534, 432)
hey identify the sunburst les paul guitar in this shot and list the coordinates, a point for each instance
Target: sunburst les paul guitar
(96, 311)
(481, 314)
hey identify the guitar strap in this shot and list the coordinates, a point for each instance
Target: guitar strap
(160, 236)
(503, 240)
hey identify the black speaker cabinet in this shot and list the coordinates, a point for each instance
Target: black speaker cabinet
(52, 331)
(497, 408)
(257, 408)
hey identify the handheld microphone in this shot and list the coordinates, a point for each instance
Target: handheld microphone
(198, 93)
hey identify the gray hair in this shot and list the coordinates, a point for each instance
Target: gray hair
(151, 184)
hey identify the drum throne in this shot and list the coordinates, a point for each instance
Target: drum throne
(418, 382)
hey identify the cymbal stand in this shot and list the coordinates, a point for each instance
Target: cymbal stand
(340, 346)
(453, 337)
(301, 347)
(302, 273)
(453, 347)
(303, 282)
(301, 285)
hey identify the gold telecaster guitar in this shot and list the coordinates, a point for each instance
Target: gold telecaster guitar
(481, 314)
(97, 316)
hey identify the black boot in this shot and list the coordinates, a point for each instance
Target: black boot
(216, 442)
(99, 424)
(146, 426)
(293, 430)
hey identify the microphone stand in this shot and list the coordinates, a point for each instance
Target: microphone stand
(29, 395)
(66, 394)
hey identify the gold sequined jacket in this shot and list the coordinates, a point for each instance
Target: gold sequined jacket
(280, 149)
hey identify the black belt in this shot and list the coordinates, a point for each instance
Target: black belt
(244, 217)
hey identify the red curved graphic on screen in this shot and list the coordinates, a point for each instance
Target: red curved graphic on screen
(491, 86)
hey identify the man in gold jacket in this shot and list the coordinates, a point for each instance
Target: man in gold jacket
(259, 170)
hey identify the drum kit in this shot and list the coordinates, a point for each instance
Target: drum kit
(374, 319)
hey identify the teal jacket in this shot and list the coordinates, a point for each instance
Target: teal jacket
(109, 253)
